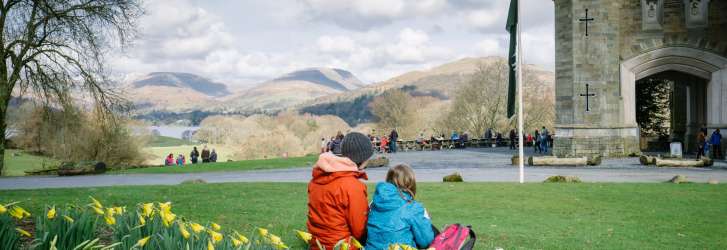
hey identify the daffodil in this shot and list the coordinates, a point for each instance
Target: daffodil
(216, 237)
(242, 238)
(51, 213)
(304, 236)
(236, 242)
(215, 226)
(110, 212)
(166, 206)
(262, 231)
(147, 209)
(183, 231)
(356, 244)
(3, 209)
(110, 220)
(96, 203)
(69, 219)
(142, 221)
(407, 247)
(99, 211)
(143, 241)
(23, 232)
(275, 240)
(167, 218)
(119, 210)
(210, 246)
(345, 246)
(196, 228)
(18, 212)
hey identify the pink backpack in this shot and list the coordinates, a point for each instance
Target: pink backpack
(454, 237)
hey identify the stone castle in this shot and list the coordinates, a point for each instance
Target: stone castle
(604, 47)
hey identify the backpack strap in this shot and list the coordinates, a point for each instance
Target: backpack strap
(470, 244)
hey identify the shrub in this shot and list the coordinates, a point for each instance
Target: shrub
(456, 177)
(562, 179)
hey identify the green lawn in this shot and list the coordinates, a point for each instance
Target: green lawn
(511, 216)
(165, 141)
(16, 162)
(229, 166)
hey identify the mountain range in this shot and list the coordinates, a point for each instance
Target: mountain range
(313, 90)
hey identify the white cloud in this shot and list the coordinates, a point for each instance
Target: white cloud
(336, 44)
(490, 47)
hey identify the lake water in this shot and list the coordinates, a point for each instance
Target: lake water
(172, 131)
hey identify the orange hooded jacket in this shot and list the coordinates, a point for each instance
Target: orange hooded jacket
(337, 202)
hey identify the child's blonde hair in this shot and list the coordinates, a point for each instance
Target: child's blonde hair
(402, 176)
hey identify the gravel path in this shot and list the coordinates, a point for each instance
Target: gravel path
(489, 165)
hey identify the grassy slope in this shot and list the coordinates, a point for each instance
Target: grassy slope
(165, 141)
(529, 216)
(230, 166)
(16, 165)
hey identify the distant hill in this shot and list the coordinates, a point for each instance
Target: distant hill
(292, 89)
(439, 82)
(182, 80)
(173, 91)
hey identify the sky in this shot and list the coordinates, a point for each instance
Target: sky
(244, 42)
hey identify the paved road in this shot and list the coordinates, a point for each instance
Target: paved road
(477, 165)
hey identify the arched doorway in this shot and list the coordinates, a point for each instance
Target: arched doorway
(698, 88)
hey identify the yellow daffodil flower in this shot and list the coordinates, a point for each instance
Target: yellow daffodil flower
(166, 206)
(356, 244)
(69, 219)
(51, 213)
(143, 241)
(96, 203)
(99, 211)
(18, 212)
(281, 246)
(407, 247)
(304, 236)
(119, 210)
(23, 232)
(275, 240)
(242, 238)
(216, 237)
(210, 246)
(215, 226)
(3, 209)
(147, 209)
(142, 221)
(262, 231)
(345, 246)
(110, 220)
(196, 228)
(236, 242)
(183, 231)
(110, 212)
(167, 218)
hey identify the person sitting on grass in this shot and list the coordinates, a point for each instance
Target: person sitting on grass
(337, 198)
(395, 217)
(169, 161)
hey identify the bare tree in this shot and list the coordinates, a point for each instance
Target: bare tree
(53, 48)
(480, 103)
(393, 109)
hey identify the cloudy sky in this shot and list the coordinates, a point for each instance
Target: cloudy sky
(243, 42)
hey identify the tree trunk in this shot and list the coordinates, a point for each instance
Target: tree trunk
(3, 127)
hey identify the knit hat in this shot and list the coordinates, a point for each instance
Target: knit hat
(357, 147)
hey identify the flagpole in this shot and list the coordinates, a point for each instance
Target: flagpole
(520, 90)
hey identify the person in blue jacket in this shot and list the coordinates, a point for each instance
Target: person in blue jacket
(395, 217)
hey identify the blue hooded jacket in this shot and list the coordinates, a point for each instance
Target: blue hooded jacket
(393, 219)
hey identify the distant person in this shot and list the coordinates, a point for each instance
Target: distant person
(336, 145)
(498, 138)
(329, 145)
(393, 137)
(213, 156)
(513, 137)
(169, 161)
(384, 144)
(488, 134)
(180, 160)
(544, 139)
(701, 141)
(194, 155)
(536, 142)
(716, 141)
(205, 155)
(395, 216)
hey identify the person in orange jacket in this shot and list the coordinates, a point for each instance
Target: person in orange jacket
(337, 198)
